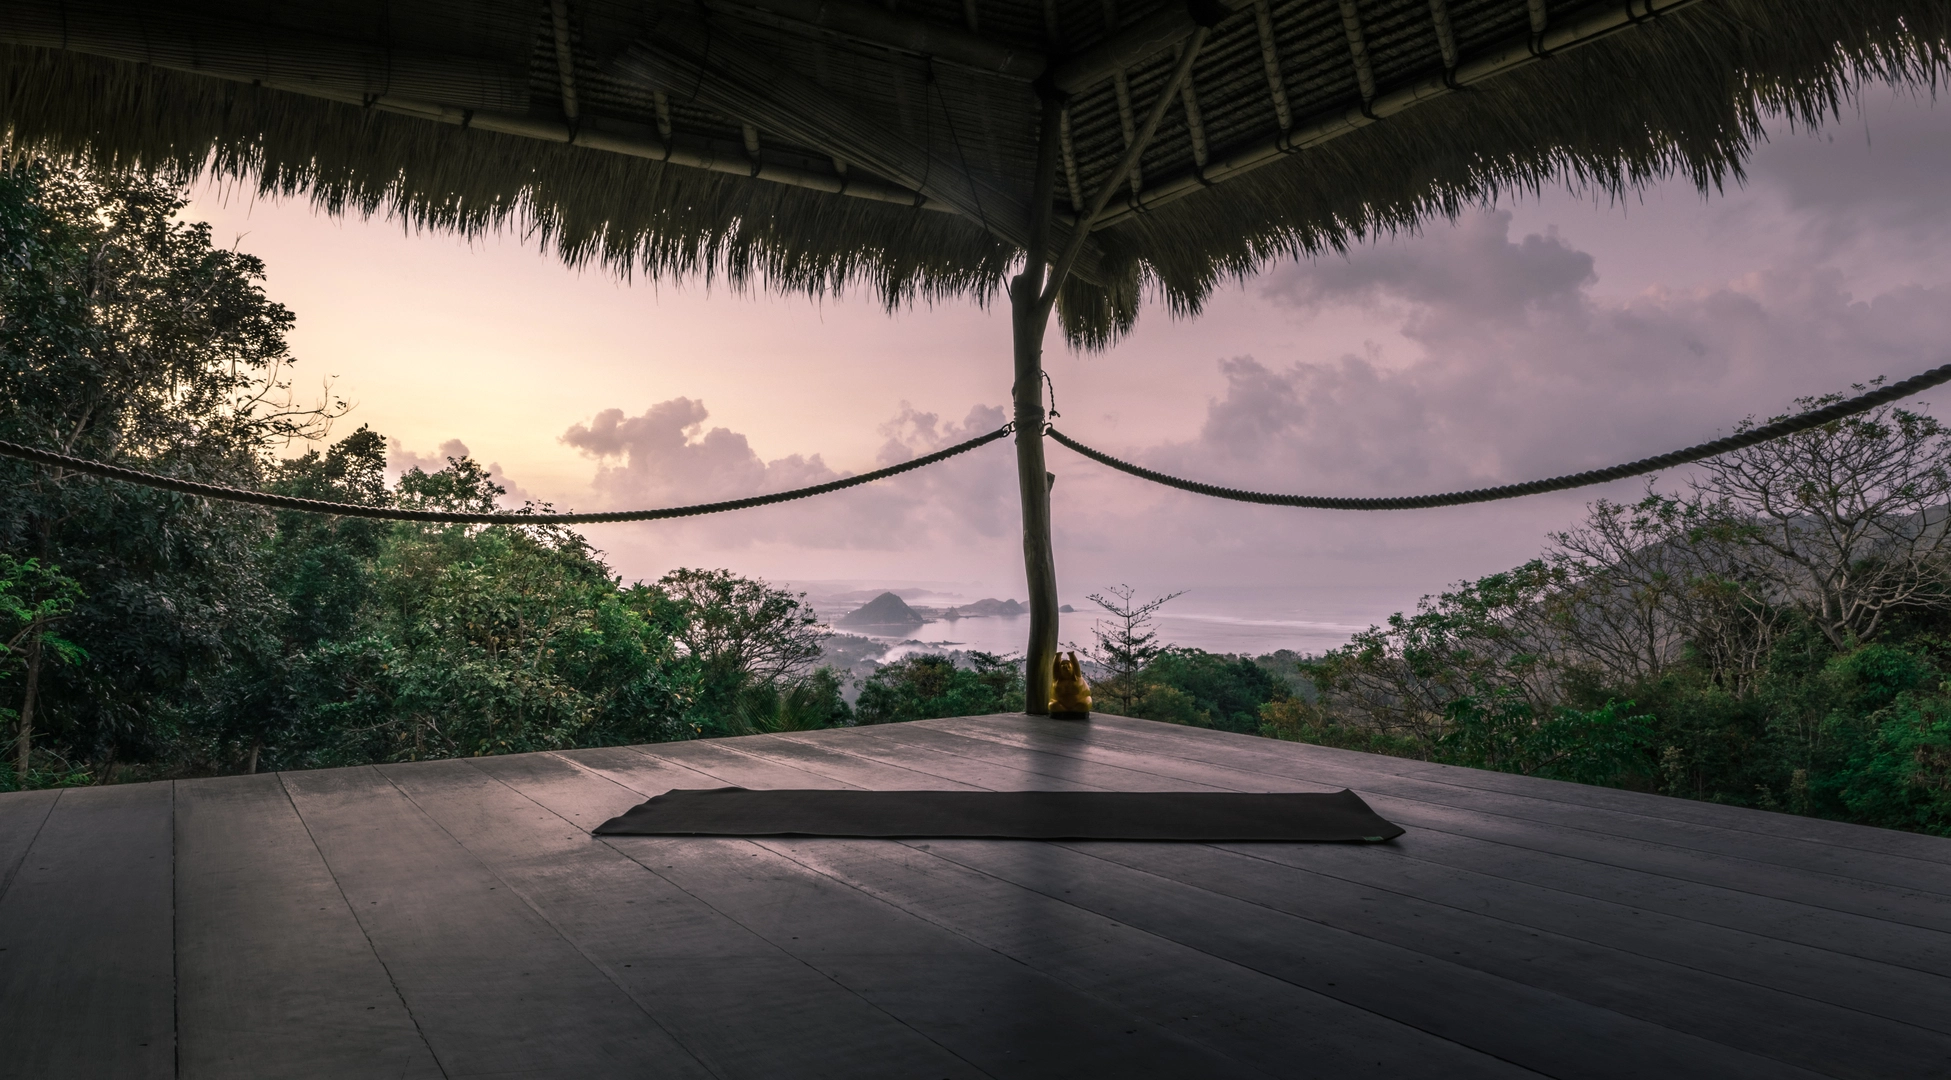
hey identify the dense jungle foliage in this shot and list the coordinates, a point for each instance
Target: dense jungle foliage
(149, 634)
(1777, 634)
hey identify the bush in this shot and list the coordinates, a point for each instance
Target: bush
(923, 687)
(1202, 689)
(1900, 777)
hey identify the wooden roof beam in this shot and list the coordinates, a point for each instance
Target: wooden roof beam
(639, 141)
(1567, 34)
(247, 52)
(1149, 36)
(565, 57)
(1195, 120)
(876, 25)
(1351, 25)
(1263, 24)
(1068, 262)
(1146, 38)
(732, 77)
(1439, 17)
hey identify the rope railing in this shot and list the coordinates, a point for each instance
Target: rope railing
(1753, 436)
(445, 517)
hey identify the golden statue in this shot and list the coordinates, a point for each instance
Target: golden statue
(1070, 695)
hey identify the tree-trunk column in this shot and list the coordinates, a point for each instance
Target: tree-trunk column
(1039, 564)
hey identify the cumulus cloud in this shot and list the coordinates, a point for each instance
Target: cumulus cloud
(400, 460)
(1505, 365)
(1497, 356)
(667, 455)
(1521, 371)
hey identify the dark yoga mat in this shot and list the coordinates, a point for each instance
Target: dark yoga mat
(1018, 815)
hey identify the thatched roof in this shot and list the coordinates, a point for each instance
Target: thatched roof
(823, 144)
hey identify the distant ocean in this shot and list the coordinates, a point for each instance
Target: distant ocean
(1228, 619)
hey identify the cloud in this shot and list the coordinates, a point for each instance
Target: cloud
(400, 460)
(1879, 169)
(1473, 267)
(667, 456)
(1523, 372)
(1504, 365)
(1495, 356)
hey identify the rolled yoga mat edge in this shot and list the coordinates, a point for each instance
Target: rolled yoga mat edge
(1007, 815)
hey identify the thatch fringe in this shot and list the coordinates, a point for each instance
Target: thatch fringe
(1686, 96)
(627, 214)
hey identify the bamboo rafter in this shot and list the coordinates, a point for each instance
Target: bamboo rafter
(1498, 61)
(1263, 25)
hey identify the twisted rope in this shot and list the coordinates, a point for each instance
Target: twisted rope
(387, 513)
(1753, 436)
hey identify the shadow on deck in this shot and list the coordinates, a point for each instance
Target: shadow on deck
(454, 918)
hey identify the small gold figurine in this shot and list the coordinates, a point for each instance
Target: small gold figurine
(1070, 695)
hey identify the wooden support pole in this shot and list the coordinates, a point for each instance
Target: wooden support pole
(1031, 300)
(1029, 317)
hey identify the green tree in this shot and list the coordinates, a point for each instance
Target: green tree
(463, 640)
(733, 634)
(33, 598)
(126, 336)
(925, 686)
(1126, 644)
(1202, 689)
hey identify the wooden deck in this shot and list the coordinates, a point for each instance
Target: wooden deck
(454, 918)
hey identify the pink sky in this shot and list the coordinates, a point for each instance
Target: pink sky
(1531, 339)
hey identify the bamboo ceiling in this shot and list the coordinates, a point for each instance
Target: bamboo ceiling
(822, 143)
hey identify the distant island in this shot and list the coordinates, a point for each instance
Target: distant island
(885, 612)
(985, 608)
(889, 612)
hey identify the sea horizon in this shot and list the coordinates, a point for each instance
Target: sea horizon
(1247, 620)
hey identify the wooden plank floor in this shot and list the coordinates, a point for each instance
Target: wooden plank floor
(455, 919)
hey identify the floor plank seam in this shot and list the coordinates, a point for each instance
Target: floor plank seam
(1533, 850)
(979, 943)
(1750, 931)
(1675, 964)
(921, 772)
(1570, 937)
(1924, 863)
(1598, 944)
(1034, 771)
(1658, 819)
(1663, 819)
(7, 882)
(1812, 905)
(1587, 805)
(797, 765)
(529, 902)
(1439, 959)
(1831, 877)
(175, 951)
(1193, 948)
(371, 946)
(727, 916)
